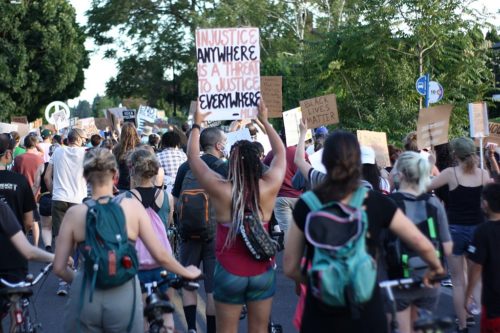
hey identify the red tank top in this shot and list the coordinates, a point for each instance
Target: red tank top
(236, 259)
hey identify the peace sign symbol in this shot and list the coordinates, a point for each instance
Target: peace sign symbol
(60, 109)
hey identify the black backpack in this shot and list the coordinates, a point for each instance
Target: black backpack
(195, 213)
(402, 261)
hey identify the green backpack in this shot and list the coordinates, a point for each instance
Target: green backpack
(340, 272)
(110, 259)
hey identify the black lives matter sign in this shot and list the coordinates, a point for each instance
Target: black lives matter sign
(228, 72)
(320, 111)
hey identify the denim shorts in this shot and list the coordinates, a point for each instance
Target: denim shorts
(150, 275)
(462, 237)
(234, 289)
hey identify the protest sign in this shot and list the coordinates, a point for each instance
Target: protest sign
(228, 72)
(192, 108)
(160, 114)
(37, 123)
(60, 119)
(432, 125)
(320, 111)
(19, 119)
(129, 116)
(88, 125)
(102, 124)
(494, 137)
(233, 137)
(60, 115)
(146, 113)
(478, 118)
(378, 141)
(271, 90)
(7, 128)
(23, 129)
(316, 161)
(291, 121)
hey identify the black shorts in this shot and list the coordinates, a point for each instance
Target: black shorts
(45, 205)
(193, 252)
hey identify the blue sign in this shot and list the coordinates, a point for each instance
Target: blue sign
(421, 85)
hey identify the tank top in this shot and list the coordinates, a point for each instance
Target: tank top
(464, 204)
(149, 195)
(236, 259)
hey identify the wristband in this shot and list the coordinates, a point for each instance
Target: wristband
(196, 126)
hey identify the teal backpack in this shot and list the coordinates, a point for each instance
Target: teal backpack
(341, 273)
(110, 259)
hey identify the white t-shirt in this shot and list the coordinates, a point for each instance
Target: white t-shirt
(68, 182)
(46, 147)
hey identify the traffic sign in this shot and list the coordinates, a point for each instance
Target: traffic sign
(420, 85)
(436, 92)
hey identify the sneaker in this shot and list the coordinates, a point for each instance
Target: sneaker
(63, 289)
(447, 283)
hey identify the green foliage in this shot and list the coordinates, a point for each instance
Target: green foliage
(42, 56)
(82, 110)
(369, 53)
(101, 103)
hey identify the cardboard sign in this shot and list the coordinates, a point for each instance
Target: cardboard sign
(19, 119)
(7, 128)
(291, 120)
(37, 123)
(271, 90)
(432, 126)
(102, 124)
(23, 129)
(478, 118)
(233, 137)
(88, 125)
(494, 137)
(60, 119)
(228, 72)
(378, 141)
(320, 111)
(146, 113)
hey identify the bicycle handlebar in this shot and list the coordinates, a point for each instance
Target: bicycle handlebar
(29, 282)
(408, 282)
(174, 281)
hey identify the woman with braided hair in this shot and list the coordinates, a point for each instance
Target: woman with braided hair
(239, 278)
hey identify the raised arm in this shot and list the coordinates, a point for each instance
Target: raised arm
(276, 172)
(300, 153)
(440, 180)
(209, 179)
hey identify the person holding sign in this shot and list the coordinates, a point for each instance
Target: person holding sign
(239, 278)
(465, 183)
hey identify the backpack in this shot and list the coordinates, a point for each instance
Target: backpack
(402, 261)
(257, 240)
(340, 271)
(195, 213)
(110, 259)
(146, 261)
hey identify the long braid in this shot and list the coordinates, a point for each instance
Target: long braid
(244, 173)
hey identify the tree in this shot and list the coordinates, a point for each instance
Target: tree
(82, 110)
(42, 56)
(101, 103)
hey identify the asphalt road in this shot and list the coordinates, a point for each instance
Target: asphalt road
(49, 308)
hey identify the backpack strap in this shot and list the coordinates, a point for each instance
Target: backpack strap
(312, 201)
(358, 197)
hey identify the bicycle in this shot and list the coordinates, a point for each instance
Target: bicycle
(426, 325)
(158, 304)
(18, 298)
(174, 238)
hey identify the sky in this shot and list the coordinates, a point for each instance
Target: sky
(101, 70)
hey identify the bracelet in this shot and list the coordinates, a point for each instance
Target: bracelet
(196, 126)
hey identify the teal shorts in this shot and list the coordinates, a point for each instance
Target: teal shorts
(234, 289)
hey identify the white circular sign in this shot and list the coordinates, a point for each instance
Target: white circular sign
(436, 92)
(57, 106)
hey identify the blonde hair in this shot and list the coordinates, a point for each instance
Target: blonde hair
(415, 169)
(143, 164)
(99, 164)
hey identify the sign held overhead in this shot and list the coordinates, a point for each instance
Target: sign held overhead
(320, 111)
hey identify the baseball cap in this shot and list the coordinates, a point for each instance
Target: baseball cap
(7, 142)
(321, 131)
(462, 147)
(46, 133)
(367, 155)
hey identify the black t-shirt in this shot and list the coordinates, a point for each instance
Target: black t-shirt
(319, 318)
(10, 258)
(484, 250)
(210, 160)
(16, 192)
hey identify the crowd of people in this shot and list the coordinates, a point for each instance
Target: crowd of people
(433, 212)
